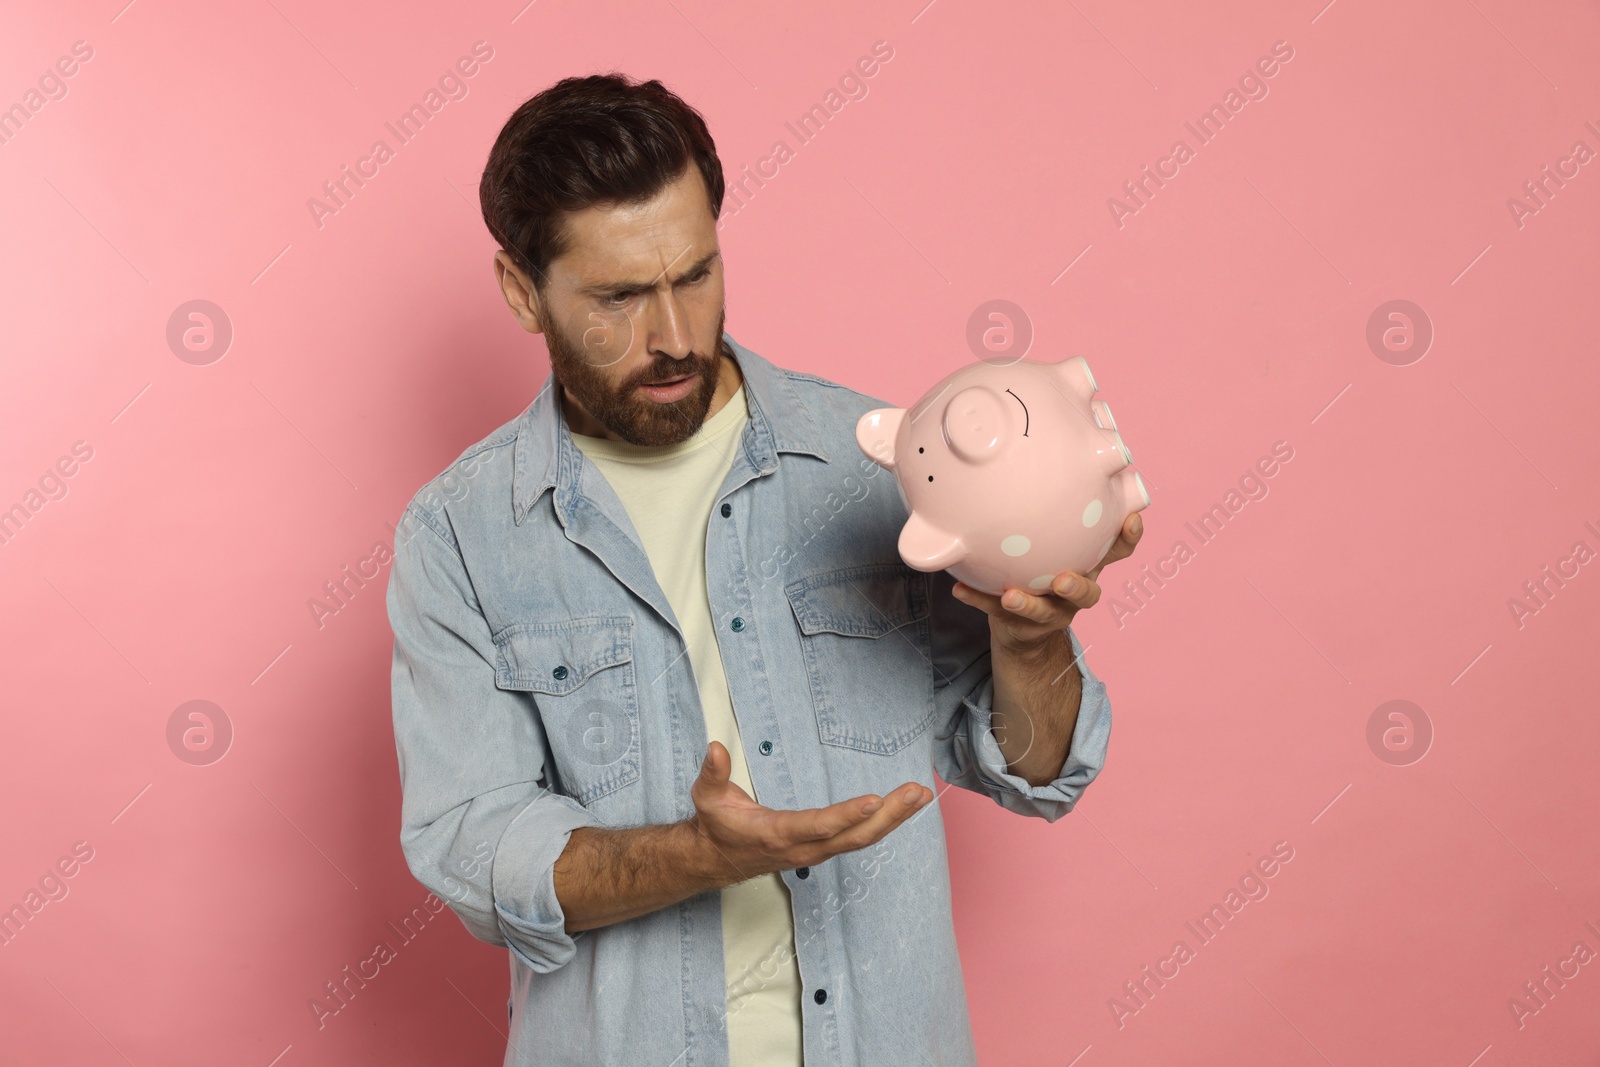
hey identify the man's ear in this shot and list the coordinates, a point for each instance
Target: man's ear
(519, 292)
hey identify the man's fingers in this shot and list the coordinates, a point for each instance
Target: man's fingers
(898, 805)
(864, 815)
(905, 801)
(781, 839)
(819, 824)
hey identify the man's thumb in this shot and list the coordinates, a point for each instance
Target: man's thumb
(707, 769)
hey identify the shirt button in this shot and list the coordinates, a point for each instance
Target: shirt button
(766, 748)
(802, 872)
(727, 509)
(559, 673)
(738, 623)
(822, 995)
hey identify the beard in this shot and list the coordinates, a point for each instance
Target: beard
(620, 407)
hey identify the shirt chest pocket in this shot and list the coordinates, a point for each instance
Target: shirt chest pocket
(865, 640)
(580, 672)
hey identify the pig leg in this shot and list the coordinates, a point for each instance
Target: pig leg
(1133, 490)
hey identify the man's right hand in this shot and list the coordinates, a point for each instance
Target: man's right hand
(744, 839)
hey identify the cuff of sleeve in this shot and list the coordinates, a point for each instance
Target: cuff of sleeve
(1086, 754)
(523, 880)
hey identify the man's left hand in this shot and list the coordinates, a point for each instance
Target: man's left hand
(1021, 621)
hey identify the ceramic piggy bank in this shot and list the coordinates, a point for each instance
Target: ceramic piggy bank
(1012, 473)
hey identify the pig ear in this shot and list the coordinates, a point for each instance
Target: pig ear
(876, 432)
(927, 548)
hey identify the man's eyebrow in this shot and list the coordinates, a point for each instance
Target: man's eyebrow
(602, 288)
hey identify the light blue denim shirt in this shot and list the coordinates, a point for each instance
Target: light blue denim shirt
(541, 684)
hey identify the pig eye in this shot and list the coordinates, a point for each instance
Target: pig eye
(1018, 399)
(930, 477)
(921, 450)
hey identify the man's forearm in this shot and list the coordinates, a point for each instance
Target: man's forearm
(1036, 697)
(606, 876)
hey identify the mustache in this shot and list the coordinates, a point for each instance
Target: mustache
(676, 368)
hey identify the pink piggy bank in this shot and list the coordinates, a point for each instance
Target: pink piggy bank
(1012, 473)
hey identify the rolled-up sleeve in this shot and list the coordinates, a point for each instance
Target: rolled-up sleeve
(966, 753)
(478, 826)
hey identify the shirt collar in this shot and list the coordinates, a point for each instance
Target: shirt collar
(546, 457)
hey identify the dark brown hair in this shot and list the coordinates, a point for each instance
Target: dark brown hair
(599, 139)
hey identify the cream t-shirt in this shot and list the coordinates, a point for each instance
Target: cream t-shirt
(668, 492)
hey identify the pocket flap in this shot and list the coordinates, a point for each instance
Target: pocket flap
(863, 601)
(557, 658)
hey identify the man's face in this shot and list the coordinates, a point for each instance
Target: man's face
(638, 298)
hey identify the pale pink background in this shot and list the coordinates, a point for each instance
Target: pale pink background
(1227, 315)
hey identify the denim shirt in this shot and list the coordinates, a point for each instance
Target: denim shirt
(541, 683)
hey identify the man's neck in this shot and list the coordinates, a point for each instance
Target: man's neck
(728, 383)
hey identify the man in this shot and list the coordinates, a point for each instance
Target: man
(667, 702)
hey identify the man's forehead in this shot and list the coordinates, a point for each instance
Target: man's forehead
(606, 256)
(669, 232)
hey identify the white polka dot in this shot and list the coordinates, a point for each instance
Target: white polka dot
(1016, 545)
(1091, 514)
(1042, 582)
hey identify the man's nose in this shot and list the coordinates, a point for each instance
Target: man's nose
(669, 330)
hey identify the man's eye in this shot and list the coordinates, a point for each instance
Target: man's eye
(619, 297)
